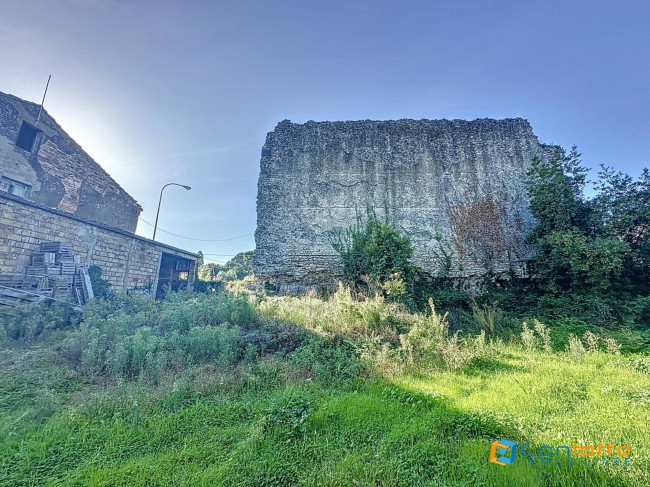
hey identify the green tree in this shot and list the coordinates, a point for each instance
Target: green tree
(556, 192)
(623, 206)
(575, 253)
(208, 272)
(573, 261)
(240, 266)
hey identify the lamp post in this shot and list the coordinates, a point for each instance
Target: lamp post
(155, 227)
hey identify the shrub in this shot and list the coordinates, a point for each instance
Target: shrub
(338, 314)
(200, 286)
(375, 252)
(182, 311)
(214, 344)
(101, 287)
(544, 335)
(28, 324)
(151, 338)
(487, 318)
(429, 343)
(328, 359)
(612, 346)
(456, 353)
(426, 337)
(592, 340)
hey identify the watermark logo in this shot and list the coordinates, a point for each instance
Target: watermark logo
(504, 452)
(500, 448)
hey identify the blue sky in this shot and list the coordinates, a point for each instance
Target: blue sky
(161, 91)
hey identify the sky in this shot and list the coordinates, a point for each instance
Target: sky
(186, 91)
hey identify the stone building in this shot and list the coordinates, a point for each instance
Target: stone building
(454, 186)
(41, 163)
(51, 190)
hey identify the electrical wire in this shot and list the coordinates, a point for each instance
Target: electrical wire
(196, 239)
(219, 255)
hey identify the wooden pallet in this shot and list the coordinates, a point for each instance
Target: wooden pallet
(11, 280)
(53, 272)
(15, 297)
(56, 247)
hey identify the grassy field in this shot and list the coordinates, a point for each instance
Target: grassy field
(226, 390)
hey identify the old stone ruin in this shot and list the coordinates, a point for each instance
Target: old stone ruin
(454, 186)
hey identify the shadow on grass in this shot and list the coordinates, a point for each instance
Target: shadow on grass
(482, 366)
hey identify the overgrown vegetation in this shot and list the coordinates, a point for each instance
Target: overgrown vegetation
(376, 257)
(592, 264)
(597, 247)
(247, 389)
(101, 287)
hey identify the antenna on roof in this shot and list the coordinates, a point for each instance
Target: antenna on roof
(41, 110)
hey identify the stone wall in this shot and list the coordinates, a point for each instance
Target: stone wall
(59, 173)
(127, 260)
(463, 181)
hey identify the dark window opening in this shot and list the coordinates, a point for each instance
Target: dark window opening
(27, 137)
(175, 273)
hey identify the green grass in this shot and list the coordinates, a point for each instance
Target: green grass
(303, 411)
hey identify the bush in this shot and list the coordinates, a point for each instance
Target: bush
(32, 323)
(487, 318)
(338, 314)
(214, 344)
(428, 343)
(376, 257)
(575, 349)
(132, 339)
(528, 338)
(101, 287)
(200, 286)
(328, 359)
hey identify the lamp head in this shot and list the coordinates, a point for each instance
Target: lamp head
(187, 187)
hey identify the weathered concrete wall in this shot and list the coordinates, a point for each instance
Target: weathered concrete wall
(60, 173)
(127, 260)
(462, 180)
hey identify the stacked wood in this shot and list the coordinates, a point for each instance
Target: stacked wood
(12, 280)
(14, 297)
(56, 247)
(53, 271)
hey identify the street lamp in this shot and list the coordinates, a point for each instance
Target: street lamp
(155, 227)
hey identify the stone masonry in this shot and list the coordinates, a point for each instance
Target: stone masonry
(128, 261)
(56, 172)
(453, 185)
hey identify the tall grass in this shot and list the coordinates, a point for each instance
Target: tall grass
(224, 389)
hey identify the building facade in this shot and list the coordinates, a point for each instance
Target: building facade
(51, 191)
(41, 163)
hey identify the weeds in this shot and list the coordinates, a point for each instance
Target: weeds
(292, 414)
(487, 318)
(544, 335)
(592, 340)
(221, 389)
(575, 349)
(528, 338)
